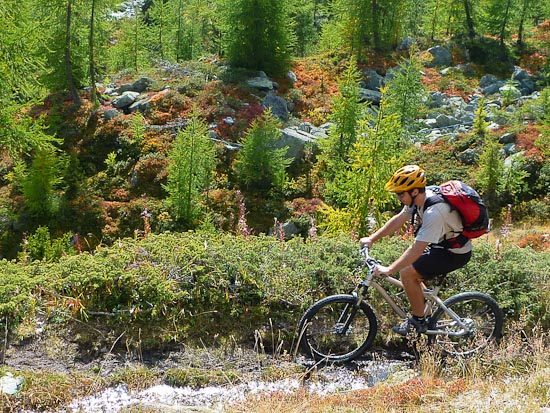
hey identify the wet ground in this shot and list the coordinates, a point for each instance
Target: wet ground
(251, 373)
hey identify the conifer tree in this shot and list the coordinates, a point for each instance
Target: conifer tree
(258, 34)
(20, 67)
(192, 162)
(490, 161)
(260, 165)
(405, 93)
(41, 186)
(129, 50)
(372, 160)
(335, 151)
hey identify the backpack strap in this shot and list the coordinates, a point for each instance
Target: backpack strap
(454, 242)
(432, 200)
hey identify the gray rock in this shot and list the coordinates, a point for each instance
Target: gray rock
(469, 156)
(261, 82)
(509, 149)
(326, 126)
(373, 80)
(367, 95)
(437, 99)
(306, 127)
(317, 132)
(125, 100)
(406, 43)
(509, 92)
(526, 86)
(140, 85)
(290, 229)
(110, 114)
(487, 80)
(292, 77)
(520, 74)
(10, 384)
(493, 88)
(140, 105)
(295, 140)
(514, 157)
(441, 56)
(430, 123)
(507, 138)
(277, 105)
(443, 120)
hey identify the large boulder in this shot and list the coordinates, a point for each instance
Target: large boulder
(140, 85)
(487, 80)
(277, 105)
(295, 140)
(373, 80)
(262, 82)
(367, 95)
(125, 100)
(441, 57)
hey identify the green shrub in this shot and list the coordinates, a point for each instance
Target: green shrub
(211, 287)
(40, 246)
(516, 277)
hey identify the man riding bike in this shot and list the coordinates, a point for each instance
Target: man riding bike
(429, 255)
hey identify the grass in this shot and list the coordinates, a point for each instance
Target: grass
(511, 376)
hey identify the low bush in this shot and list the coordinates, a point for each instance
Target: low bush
(212, 287)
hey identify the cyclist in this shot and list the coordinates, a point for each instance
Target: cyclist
(428, 256)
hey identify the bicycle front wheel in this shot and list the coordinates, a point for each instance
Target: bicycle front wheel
(478, 312)
(336, 329)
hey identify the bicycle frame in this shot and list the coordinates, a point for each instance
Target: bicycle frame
(430, 295)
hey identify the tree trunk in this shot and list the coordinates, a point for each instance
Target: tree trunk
(179, 32)
(93, 87)
(376, 26)
(504, 23)
(526, 5)
(68, 66)
(469, 19)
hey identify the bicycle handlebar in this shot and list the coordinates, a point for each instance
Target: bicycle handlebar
(370, 262)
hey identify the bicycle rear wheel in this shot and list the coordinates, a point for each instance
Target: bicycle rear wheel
(336, 329)
(478, 311)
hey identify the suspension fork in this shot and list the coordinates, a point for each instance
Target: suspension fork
(351, 309)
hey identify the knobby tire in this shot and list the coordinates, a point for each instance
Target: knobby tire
(321, 329)
(478, 310)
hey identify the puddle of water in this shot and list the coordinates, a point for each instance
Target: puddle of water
(214, 398)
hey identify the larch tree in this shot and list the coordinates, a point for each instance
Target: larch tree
(257, 34)
(20, 67)
(190, 172)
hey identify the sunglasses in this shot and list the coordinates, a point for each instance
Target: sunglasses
(400, 194)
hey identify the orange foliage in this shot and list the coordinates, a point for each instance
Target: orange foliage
(538, 242)
(525, 141)
(317, 86)
(533, 60)
(301, 206)
(431, 78)
(403, 397)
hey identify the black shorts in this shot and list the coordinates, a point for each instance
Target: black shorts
(436, 261)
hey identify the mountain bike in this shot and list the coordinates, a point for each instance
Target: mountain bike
(342, 327)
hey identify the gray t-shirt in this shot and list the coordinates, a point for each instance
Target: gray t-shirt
(438, 224)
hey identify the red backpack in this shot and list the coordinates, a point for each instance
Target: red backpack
(470, 206)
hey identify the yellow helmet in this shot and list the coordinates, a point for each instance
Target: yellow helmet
(407, 178)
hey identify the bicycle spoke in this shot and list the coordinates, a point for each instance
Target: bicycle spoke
(336, 329)
(480, 322)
